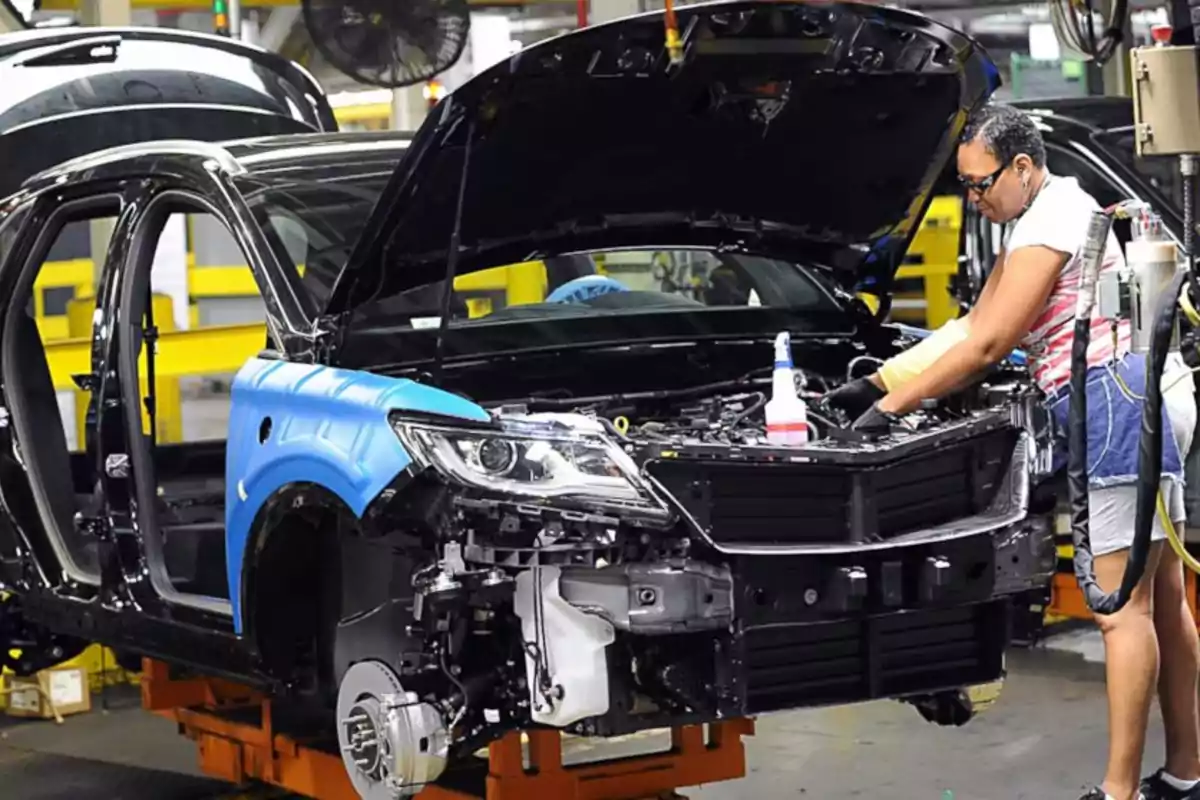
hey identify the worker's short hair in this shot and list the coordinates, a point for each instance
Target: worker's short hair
(1006, 132)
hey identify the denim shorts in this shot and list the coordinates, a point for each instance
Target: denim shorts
(1114, 425)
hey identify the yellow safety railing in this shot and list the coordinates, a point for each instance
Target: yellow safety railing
(933, 257)
(216, 349)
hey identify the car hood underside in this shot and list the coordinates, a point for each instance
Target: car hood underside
(810, 131)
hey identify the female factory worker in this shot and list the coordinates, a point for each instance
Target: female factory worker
(1029, 300)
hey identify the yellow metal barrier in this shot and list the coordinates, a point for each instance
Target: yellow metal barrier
(102, 670)
(217, 349)
(519, 284)
(167, 395)
(935, 251)
(214, 281)
(74, 276)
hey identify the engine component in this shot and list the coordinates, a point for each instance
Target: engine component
(565, 661)
(673, 597)
(392, 743)
(594, 541)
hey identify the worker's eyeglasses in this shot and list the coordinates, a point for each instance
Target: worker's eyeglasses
(983, 184)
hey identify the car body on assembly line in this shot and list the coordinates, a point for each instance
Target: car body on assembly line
(503, 455)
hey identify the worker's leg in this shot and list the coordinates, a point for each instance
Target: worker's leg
(1130, 646)
(1130, 636)
(1178, 642)
(1179, 666)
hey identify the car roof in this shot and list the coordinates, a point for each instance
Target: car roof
(275, 153)
(242, 157)
(282, 151)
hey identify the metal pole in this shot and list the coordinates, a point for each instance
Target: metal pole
(220, 18)
(235, 19)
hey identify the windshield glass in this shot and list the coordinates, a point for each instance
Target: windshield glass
(313, 214)
(610, 283)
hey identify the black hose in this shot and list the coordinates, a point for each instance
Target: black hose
(1149, 457)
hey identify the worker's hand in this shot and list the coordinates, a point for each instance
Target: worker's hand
(855, 397)
(875, 421)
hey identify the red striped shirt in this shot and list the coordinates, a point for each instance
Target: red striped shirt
(1058, 218)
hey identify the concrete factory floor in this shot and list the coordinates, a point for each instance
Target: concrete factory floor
(1044, 739)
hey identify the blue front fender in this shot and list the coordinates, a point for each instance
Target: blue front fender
(304, 423)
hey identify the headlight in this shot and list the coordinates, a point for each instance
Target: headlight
(531, 459)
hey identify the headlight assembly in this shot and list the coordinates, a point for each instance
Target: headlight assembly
(531, 460)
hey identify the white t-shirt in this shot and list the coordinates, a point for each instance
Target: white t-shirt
(1058, 218)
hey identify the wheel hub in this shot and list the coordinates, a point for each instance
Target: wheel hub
(392, 743)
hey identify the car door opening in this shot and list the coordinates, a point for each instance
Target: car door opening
(179, 492)
(63, 483)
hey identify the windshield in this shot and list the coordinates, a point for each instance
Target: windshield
(609, 283)
(312, 214)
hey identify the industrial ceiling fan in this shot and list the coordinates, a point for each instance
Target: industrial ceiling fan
(389, 43)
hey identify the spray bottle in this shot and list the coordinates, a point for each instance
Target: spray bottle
(787, 415)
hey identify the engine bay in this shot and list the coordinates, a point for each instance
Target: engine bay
(732, 414)
(625, 556)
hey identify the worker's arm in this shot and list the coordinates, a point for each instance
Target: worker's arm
(1018, 297)
(855, 397)
(908, 364)
(903, 367)
(989, 287)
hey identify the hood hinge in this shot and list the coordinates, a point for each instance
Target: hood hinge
(329, 332)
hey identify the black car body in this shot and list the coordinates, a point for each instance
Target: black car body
(68, 91)
(563, 512)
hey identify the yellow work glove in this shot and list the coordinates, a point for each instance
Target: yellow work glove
(903, 367)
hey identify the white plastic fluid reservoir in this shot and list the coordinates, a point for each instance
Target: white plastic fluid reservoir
(787, 414)
(571, 644)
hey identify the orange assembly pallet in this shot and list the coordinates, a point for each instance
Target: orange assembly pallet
(239, 751)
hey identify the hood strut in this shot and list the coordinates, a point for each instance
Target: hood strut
(453, 253)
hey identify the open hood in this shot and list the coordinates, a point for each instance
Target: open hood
(810, 131)
(67, 92)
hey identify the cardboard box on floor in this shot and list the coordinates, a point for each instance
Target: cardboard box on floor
(67, 687)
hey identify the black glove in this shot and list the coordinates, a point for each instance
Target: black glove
(875, 421)
(855, 397)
